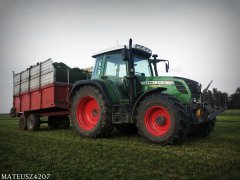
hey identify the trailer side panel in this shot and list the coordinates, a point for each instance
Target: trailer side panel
(43, 87)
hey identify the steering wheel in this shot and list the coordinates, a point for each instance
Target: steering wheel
(141, 74)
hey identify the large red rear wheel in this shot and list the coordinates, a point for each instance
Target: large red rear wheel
(162, 119)
(90, 113)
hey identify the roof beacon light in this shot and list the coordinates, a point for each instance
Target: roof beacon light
(142, 48)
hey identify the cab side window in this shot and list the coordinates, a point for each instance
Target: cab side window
(115, 66)
(98, 68)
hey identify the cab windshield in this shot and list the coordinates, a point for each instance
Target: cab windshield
(141, 66)
(112, 65)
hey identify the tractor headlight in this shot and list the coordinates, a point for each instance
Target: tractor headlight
(194, 100)
(199, 87)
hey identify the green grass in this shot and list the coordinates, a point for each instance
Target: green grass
(232, 112)
(67, 156)
(228, 118)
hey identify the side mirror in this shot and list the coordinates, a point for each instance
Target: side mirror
(167, 66)
(125, 55)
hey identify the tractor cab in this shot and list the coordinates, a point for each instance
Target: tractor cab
(111, 68)
(126, 69)
(110, 62)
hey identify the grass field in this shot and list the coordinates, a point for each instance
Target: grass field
(66, 156)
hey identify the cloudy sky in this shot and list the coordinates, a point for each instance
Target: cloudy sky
(200, 38)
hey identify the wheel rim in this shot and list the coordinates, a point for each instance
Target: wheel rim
(88, 113)
(157, 120)
(30, 124)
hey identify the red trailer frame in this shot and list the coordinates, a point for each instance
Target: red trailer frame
(48, 100)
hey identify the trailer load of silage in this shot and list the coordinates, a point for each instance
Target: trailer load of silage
(64, 73)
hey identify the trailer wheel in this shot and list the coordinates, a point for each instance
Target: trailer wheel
(58, 122)
(90, 113)
(23, 123)
(33, 122)
(162, 119)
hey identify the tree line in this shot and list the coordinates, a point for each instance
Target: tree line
(222, 99)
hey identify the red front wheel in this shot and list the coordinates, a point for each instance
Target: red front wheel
(162, 119)
(157, 120)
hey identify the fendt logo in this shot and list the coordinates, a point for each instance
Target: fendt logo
(157, 83)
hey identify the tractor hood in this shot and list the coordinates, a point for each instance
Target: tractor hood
(182, 88)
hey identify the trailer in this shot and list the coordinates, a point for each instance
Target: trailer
(43, 90)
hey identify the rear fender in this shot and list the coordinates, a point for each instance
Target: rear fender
(96, 83)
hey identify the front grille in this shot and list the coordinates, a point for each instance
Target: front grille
(180, 87)
(194, 87)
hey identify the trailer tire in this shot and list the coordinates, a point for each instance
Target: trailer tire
(90, 114)
(33, 122)
(162, 119)
(22, 123)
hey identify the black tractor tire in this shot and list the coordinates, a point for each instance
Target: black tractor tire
(22, 123)
(52, 122)
(33, 122)
(203, 129)
(126, 128)
(58, 122)
(162, 119)
(65, 122)
(90, 114)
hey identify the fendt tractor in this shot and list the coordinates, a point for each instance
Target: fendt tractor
(124, 92)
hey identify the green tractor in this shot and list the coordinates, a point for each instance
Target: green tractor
(126, 92)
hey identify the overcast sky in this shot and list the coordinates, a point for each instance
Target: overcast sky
(200, 38)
